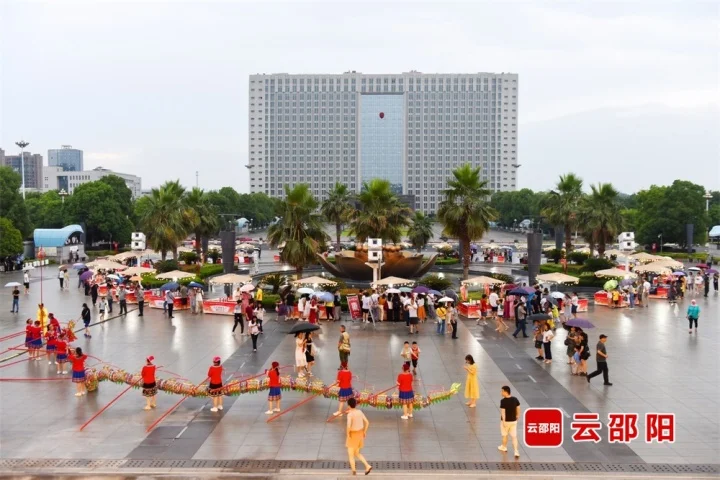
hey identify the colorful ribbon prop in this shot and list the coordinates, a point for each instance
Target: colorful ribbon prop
(256, 385)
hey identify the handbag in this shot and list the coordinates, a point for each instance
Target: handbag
(567, 342)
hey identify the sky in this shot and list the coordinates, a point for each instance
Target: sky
(627, 93)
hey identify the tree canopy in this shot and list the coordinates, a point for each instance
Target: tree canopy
(12, 206)
(94, 205)
(517, 206)
(11, 242)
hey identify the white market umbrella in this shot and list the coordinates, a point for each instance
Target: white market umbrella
(670, 262)
(614, 273)
(557, 295)
(174, 274)
(106, 265)
(653, 268)
(391, 281)
(230, 278)
(13, 284)
(305, 290)
(557, 277)
(446, 299)
(645, 257)
(248, 287)
(245, 246)
(138, 270)
(483, 280)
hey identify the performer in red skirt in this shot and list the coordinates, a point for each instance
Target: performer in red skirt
(215, 389)
(275, 394)
(78, 371)
(61, 350)
(35, 340)
(407, 397)
(149, 385)
(50, 344)
(344, 380)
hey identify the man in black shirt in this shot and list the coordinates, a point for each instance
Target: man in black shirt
(16, 300)
(602, 366)
(509, 414)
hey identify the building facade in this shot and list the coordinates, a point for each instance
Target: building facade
(70, 159)
(33, 168)
(411, 129)
(54, 178)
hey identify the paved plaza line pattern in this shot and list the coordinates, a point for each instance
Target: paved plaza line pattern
(655, 365)
(173, 440)
(546, 392)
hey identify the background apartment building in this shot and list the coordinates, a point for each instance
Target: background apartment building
(411, 129)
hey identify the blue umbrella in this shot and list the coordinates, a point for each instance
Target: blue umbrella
(195, 285)
(521, 291)
(435, 292)
(406, 289)
(579, 323)
(78, 266)
(170, 286)
(325, 296)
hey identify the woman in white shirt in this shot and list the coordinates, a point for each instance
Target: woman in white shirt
(548, 335)
(412, 308)
(199, 301)
(357, 427)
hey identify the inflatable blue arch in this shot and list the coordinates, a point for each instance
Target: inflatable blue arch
(57, 237)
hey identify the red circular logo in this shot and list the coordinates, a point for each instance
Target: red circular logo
(382, 114)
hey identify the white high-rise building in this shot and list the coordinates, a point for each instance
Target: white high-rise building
(411, 129)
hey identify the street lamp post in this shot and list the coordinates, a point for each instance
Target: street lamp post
(63, 194)
(22, 144)
(707, 198)
(661, 242)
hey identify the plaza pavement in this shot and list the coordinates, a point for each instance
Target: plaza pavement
(654, 364)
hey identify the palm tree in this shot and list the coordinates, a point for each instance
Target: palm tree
(338, 209)
(381, 213)
(274, 280)
(465, 212)
(300, 228)
(208, 223)
(166, 219)
(600, 215)
(562, 205)
(421, 231)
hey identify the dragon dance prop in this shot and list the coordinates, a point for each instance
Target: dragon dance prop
(93, 377)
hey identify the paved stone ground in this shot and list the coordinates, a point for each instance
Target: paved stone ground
(654, 364)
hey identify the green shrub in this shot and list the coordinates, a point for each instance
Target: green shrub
(555, 255)
(163, 266)
(591, 281)
(210, 270)
(447, 261)
(578, 258)
(595, 264)
(188, 257)
(275, 281)
(435, 282)
(446, 252)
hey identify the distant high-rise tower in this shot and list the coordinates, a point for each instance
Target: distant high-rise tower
(411, 129)
(70, 159)
(33, 168)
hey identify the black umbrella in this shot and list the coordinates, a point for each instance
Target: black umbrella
(303, 327)
(540, 316)
(451, 293)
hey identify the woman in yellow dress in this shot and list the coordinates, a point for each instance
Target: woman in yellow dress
(472, 388)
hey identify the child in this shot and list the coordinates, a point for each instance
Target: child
(484, 308)
(575, 364)
(149, 386)
(414, 356)
(28, 336)
(406, 354)
(50, 345)
(275, 394)
(78, 371)
(103, 306)
(282, 311)
(61, 349)
(537, 333)
(36, 340)
(259, 313)
(555, 317)
(344, 380)
(215, 389)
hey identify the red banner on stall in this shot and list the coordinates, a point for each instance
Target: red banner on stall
(354, 307)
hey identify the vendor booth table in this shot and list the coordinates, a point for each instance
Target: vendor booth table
(582, 305)
(660, 292)
(605, 298)
(219, 306)
(157, 300)
(469, 310)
